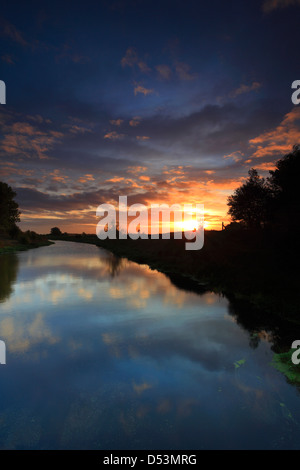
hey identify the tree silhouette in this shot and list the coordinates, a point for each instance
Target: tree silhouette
(9, 209)
(284, 183)
(249, 203)
(55, 231)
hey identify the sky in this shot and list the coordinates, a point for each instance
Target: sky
(160, 101)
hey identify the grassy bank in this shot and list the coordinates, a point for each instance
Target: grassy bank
(23, 243)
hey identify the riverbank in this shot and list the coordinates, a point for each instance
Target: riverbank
(245, 265)
(12, 246)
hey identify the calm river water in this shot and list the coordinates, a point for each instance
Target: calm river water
(103, 353)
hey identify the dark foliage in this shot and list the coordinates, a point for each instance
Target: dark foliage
(9, 209)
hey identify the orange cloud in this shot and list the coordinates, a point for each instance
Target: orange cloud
(116, 122)
(142, 90)
(265, 166)
(136, 169)
(57, 176)
(24, 128)
(143, 67)
(245, 89)
(270, 5)
(24, 139)
(164, 72)
(9, 30)
(86, 178)
(236, 156)
(279, 140)
(113, 135)
(115, 179)
(135, 121)
(74, 129)
(130, 58)
(142, 137)
(183, 71)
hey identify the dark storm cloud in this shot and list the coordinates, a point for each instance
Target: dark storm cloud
(31, 199)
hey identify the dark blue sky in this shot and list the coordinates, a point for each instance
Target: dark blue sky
(169, 101)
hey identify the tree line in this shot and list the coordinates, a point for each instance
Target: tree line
(272, 202)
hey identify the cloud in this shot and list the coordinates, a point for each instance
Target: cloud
(38, 119)
(113, 136)
(116, 122)
(265, 166)
(208, 134)
(77, 129)
(143, 67)
(270, 5)
(86, 178)
(10, 31)
(25, 140)
(130, 58)
(136, 169)
(236, 156)
(8, 59)
(35, 200)
(143, 90)
(164, 72)
(68, 54)
(57, 176)
(144, 178)
(140, 388)
(200, 139)
(245, 89)
(116, 179)
(183, 71)
(135, 121)
(280, 140)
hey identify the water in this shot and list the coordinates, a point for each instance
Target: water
(103, 353)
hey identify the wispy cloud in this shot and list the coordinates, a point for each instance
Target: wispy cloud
(183, 71)
(113, 135)
(86, 178)
(141, 89)
(135, 121)
(143, 67)
(116, 122)
(136, 169)
(11, 32)
(67, 53)
(22, 139)
(279, 140)
(8, 59)
(270, 5)
(164, 72)
(77, 129)
(130, 58)
(245, 89)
